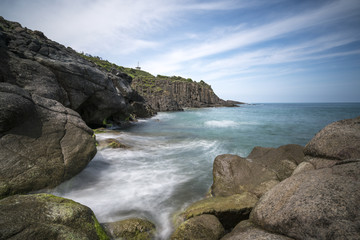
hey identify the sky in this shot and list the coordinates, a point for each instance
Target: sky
(250, 51)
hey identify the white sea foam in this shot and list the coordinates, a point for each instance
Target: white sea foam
(153, 179)
(222, 123)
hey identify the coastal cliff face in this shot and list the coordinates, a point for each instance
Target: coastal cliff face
(48, 69)
(169, 94)
(49, 96)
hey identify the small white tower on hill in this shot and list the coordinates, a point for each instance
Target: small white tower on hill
(138, 67)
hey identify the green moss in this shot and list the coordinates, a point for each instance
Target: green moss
(99, 130)
(99, 230)
(46, 197)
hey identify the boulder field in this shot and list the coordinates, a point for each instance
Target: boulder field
(290, 192)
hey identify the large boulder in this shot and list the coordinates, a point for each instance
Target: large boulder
(246, 230)
(315, 204)
(233, 175)
(44, 216)
(283, 160)
(204, 227)
(302, 167)
(131, 229)
(339, 140)
(229, 210)
(42, 143)
(270, 156)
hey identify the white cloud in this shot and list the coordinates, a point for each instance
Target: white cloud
(196, 57)
(160, 35)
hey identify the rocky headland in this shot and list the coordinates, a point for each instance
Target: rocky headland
(51, 97)
(164, 93)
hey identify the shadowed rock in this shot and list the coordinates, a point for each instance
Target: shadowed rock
(229, 210)
(50, 70)
(50, 144)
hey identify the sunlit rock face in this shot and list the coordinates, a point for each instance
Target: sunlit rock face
(168, 94)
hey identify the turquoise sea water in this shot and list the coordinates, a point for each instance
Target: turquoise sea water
(169, 163)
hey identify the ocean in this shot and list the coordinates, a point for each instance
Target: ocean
(168, 164)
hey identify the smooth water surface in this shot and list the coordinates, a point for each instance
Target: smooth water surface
(169, 162)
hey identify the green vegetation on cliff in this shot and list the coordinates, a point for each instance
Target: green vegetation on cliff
(109, 66)
(147, 78)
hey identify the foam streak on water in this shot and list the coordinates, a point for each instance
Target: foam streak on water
(154, 178)
(169, 162)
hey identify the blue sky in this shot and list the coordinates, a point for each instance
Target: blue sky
(251, 51)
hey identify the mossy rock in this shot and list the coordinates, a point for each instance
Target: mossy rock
(99, 130)
(206, 227)
(229, 210)
(131, 229)
(44, 216)
(111, 143)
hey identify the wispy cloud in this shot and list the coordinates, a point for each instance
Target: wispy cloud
(243, 37)
(232, 41)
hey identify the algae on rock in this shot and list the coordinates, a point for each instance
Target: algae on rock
(45, 216)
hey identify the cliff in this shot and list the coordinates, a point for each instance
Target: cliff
(48, 69)
(175, 93)
(49, 95)
(165, 93)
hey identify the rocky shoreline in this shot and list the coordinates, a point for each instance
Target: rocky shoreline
(50, 96)
(290, 192)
